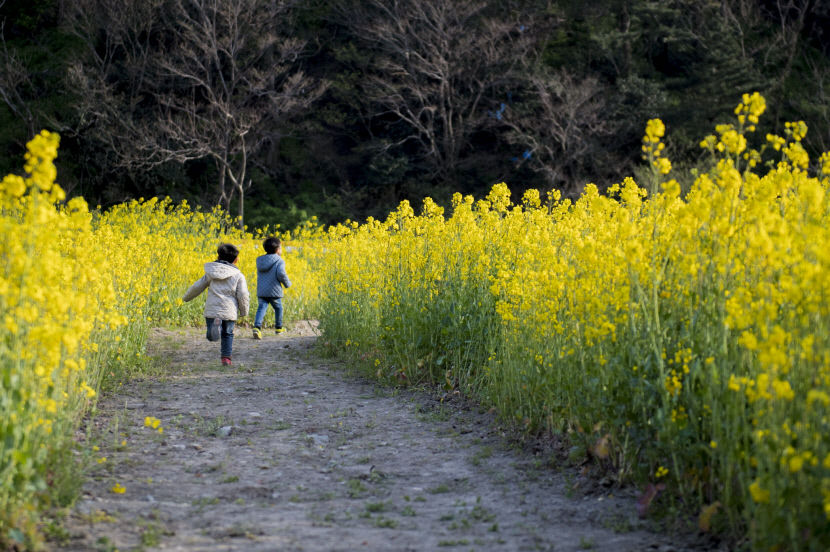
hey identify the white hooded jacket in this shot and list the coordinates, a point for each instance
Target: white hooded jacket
(228, 297)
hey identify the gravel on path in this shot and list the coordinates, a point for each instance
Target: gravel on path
(286, 450)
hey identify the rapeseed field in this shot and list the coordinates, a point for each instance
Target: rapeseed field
(675, 331)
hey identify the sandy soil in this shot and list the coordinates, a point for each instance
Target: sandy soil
(285, 450)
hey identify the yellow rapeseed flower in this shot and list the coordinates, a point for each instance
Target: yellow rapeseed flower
(758, 494)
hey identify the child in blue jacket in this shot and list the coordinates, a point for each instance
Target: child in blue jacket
(271, 278)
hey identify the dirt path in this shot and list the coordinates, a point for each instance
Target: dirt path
(283, 451)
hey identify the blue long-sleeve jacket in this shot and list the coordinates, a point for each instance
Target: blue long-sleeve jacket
(271, 276)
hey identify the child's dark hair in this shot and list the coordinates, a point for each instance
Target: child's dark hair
(227, 252)
(270, 245)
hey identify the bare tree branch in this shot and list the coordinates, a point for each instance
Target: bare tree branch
(14, 78)
(561, 126)
(437, 61)
(207, 79)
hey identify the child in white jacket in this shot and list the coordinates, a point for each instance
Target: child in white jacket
(227, 299)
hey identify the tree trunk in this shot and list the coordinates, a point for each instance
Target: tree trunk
(241, 209)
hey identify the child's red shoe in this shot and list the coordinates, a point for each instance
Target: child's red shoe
(226, 361)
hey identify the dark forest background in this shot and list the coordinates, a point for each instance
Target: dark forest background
(280, 110)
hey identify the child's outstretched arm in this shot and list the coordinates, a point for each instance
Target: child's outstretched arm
(282, 277)
(197, 288)
(243, 298)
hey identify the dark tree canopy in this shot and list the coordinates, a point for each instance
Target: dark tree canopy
(342, 108)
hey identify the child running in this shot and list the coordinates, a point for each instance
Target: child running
(271, 278)
(227, 299)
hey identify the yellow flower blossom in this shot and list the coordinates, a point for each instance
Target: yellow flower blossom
(759, 494)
